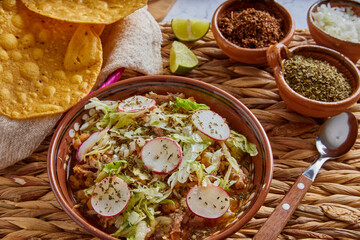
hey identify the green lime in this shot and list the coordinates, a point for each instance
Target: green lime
(189, 30)
(182, 59)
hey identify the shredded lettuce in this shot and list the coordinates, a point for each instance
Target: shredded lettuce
(157, 118)
(101, 147)
(88, 192)
(135, 213)
(187, 104)
(101, 176)
(239, 145)
(121, 120)
(225, 181)
(134, 199)
(153, 194)
(215, 159)
(150, 213)
(177, 137)
(167, 201)
(230, 158)
(104, 106)
(200, 172)
(114, 168)
(178, 117)
(140, 174)
(142, 230)
(135, 217)
(190, 153)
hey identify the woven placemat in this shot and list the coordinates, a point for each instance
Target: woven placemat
(330, 210)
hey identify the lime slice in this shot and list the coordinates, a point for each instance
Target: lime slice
(189, 30)
(182, 59)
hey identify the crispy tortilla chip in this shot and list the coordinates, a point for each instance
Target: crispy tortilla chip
(85, 11)
(46, 65)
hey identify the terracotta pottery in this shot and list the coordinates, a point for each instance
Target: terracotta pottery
(349, 49)
(255, 56)
(238, 116)
(278, 53)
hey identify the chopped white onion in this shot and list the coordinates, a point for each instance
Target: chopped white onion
(339, 22)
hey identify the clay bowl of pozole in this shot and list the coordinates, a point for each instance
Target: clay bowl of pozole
(158, 156)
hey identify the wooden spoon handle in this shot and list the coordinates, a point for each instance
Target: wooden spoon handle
(282, 213)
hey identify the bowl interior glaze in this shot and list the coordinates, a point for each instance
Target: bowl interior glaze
(238, 116)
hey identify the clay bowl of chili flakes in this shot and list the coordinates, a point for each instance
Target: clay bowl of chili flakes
(333, 24)
(313, 80)
(61, 160)
(244, 29)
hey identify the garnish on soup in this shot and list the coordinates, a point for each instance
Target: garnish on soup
(159, 167)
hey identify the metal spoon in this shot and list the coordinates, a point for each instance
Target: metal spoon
(336, 137)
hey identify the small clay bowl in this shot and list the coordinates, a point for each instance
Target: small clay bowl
(278, 53)
(238, 116)
(349, 49)
(254, 56)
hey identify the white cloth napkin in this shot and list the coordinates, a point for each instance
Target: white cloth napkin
(20, 138)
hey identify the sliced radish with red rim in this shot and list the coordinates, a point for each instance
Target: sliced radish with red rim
(208, 201)
(135, 103)
(89, 143)
(161, 155)
(110, 196)
(211, 124)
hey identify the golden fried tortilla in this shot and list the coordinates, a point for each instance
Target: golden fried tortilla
(46, 65)
(85, 11)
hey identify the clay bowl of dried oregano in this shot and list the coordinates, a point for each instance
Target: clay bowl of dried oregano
(244, 29)
(313, 80)
(334, 24)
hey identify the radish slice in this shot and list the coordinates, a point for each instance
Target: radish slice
(89, 143)
(211, 124)
(161, 155)
(208, 201)
(135, 103)
(110, 196)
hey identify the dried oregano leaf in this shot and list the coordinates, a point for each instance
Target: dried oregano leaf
(315, 79)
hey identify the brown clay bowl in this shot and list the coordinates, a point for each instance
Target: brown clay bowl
(349, 49)
(234, 111)
(255, 56)
(278, 53)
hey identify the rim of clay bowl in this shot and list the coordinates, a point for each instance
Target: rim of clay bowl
(320, 2)
(218, 94)
(227, 3)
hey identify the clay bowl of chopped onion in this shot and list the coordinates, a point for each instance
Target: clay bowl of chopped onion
(335, 24)
(313, 80)
(244, 30)
(147, 201)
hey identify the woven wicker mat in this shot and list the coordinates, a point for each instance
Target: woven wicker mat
(330, 210)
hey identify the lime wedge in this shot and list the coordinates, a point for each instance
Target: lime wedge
(182, 59)
(189, 30)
